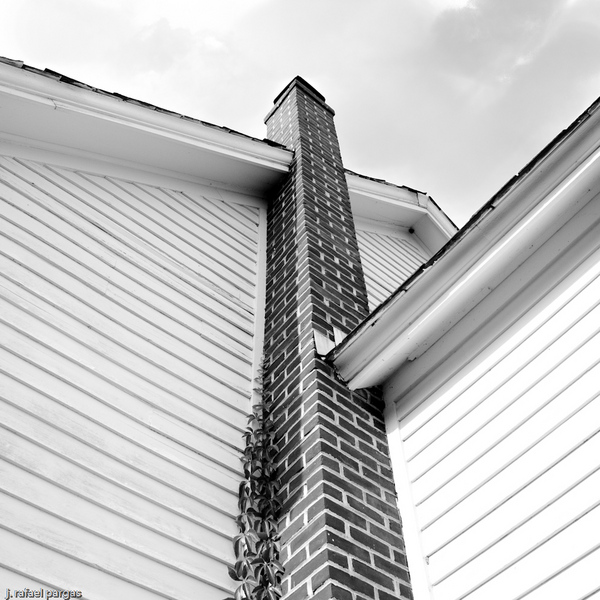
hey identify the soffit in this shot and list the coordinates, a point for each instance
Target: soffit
(43, 107)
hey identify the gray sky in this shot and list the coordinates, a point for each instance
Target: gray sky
(451, 97)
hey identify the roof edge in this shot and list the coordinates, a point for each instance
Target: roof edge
(66, 80)
(77, 118)
(411, 315)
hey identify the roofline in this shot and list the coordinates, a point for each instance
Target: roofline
(395, 197)
(457, 277)
(384, 182)
(66, 80)
(402, 187)
(60, 94)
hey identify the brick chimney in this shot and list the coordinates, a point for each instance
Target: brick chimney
(341, 532)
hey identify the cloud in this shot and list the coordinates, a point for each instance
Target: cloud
(155, 48)
(68, 30)
(449, 96)
(561, 79)
(485, 88)
(486, 40)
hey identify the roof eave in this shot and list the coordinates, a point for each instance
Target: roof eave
(377, 202)
(37, 107)
(500, 236)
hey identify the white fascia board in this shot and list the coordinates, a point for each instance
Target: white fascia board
(433, 229)
(382, 190)
(511, 229)
(141, 133)
(381, 203)
(438, 217)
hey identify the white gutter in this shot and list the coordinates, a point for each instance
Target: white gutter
(513, 226)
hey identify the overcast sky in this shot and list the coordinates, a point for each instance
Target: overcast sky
(451, 97)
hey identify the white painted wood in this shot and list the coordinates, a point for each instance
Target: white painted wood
(128, 350)
(530, 569)
(127, 357)
(91, 212)
(486, 489)
(18, 581)
(186, 520)
(528, 537)
(182, 212)
(50, 154)
(419, 571)
(199, 559)
(259, 307)
(548, 280)
(29, 557)
(179, 422)
(573, 582)
(37, 337)
(87, 306)
(74, 542)
(182, 493)
(152, 460)
(471, 534)
(514, 374)
(500, 463)
(113, 272)
(71, 119)
(388, 259)
(529, 417)
(183, 247)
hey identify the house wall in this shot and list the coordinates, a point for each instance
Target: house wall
(389, 256)
(128, 343)
(494, 435)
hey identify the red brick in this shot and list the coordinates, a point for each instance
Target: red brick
(333, 457)
(347, 545)
(300, 594)
(370, 542)
(356, 584)
(332, 592)
(372, 574)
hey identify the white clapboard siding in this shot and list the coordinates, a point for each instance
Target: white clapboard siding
(502, 462)
(388, 259)
(21, 582)
(57, 570)
(75, 233)
(139, 227)
(127, 333)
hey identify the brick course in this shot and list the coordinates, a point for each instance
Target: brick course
(341, 532)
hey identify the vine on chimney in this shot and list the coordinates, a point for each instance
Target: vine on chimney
(257, 567)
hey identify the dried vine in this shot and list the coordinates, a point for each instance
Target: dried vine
(257, 567)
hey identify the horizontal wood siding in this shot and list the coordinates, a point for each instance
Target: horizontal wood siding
(126, 357)
(388, 259)
(503, 460)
